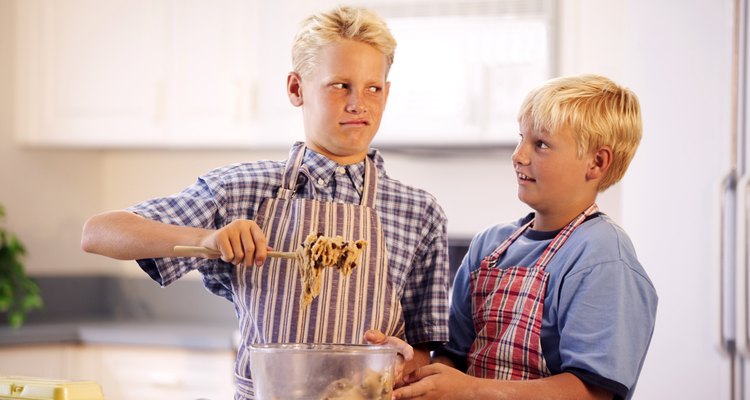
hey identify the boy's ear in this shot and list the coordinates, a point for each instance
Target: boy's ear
(294, 89)
(600, 162)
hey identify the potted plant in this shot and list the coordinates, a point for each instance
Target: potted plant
(19, 294)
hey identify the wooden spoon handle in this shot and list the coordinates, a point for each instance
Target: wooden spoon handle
(206, 252)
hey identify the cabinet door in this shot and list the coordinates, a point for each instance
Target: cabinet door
(91, 71)
(212, 100)
(135, 73)
(165, 373)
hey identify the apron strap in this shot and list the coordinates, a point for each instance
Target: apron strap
(551, 249)
(370, 184)
(492, 258)
(291, 171)
(563, 236)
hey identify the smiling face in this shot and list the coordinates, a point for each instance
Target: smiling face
(552, 178)
(342, 99)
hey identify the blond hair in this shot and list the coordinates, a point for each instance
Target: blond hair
(597, 110)
(341, 23)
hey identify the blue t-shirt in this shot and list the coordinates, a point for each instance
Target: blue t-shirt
(600, 306)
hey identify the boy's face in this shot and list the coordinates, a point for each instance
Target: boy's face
(552, 179)
(342, 99)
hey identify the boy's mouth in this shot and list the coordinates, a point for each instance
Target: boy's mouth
(355, 122)
(524, 177)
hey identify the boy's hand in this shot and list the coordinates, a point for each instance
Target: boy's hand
(405, 351)
(240, 242)
(435, 381)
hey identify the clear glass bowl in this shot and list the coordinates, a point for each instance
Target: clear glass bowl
(322, 371)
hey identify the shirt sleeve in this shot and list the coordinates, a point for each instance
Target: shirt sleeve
(461, 324)
(425, 301)
(606, 325)
(197, 206)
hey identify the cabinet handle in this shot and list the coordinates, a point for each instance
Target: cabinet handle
(238, 95)
(160, 102)
(253, 101)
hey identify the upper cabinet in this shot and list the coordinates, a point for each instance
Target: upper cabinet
(212, 73)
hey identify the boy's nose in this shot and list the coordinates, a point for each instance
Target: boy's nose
(355, 108)
(519, 156)
(355, 104)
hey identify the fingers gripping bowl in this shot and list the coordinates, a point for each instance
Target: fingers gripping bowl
(322, 371)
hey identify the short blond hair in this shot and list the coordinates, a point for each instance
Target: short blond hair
(597, 110)
(341, 23)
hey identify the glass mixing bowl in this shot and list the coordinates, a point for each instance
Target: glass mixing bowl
(322, 371)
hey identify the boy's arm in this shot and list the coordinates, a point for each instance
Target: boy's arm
(128, 236)
(125, 235)
(439, 381)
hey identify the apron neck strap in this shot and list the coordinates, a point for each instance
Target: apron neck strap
(370, 184)
(563, 236)
(291, 172)
(552, 248)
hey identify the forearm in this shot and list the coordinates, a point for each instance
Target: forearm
(127, 236)
(561, 386)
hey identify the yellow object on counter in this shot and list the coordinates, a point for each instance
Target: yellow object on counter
(22, 387)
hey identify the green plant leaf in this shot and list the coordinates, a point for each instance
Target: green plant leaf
(15, 318)
(19, 294)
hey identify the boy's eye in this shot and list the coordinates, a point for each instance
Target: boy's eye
(373, 89)
(541, 145)
(339, 86)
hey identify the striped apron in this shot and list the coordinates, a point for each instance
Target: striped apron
(507, 306)
(267, 299)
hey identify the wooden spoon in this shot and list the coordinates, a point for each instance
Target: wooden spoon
(206, 252)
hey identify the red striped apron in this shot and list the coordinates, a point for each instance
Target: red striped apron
(507, 306)
(268, 298)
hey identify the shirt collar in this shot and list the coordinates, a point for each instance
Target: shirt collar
(319, 166)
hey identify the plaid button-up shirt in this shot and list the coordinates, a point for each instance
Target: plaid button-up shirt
(414, 224)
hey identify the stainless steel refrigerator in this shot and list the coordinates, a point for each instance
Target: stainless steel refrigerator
(735, 214)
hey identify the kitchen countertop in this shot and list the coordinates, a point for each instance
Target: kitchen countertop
(170, 334)
(124, 311)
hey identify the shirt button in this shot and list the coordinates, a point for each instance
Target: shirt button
(321, 182)
(341, 170)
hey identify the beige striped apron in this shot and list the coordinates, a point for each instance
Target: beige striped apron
(268, 298)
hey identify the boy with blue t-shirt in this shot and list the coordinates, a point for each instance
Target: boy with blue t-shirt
(554, 304)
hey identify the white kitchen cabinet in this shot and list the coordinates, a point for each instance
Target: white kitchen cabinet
(134, 73)
(460, 72)
(44, 361)
(129, 372)
(162, 373)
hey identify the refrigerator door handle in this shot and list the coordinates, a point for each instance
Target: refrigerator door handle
(741, 267)
(727, 273)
